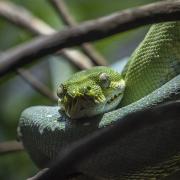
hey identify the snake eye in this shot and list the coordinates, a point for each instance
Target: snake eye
(60, 91)
(104, 79)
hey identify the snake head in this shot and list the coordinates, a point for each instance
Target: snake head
(91, 92)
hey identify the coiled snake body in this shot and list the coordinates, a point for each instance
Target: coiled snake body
(152, 76)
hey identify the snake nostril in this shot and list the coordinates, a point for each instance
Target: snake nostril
(86, 89)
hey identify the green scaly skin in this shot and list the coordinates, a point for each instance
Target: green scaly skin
(151, 77)
(91, 92)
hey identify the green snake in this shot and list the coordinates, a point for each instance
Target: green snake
(151, 77)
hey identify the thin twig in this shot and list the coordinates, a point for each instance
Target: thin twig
(10, 147)
(63, 12)
(37, 85)
(79, 59)
(23, 18)
(87, 48)
(89, 31)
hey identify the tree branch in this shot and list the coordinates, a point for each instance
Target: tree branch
(24, 19)
(89, 31)
(5, 9)
(87, 48)
(37, 85)
(10, 146)
(62, 10)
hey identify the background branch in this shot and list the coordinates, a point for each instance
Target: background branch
(89, 31)
(87, 48)
(10, 147)
(8, 11)
(37, 85)
(23, 18)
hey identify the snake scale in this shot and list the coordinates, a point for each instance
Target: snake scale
(152, 76)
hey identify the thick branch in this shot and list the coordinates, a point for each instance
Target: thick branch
(10, 146)
(24, 19)
(87, 48)
(89, 31)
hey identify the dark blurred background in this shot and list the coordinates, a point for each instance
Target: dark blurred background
(16, 94)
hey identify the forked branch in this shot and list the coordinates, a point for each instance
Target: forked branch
(87, 48)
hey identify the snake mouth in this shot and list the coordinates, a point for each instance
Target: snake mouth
(114, 97)
(87, 106)
(75, 106)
